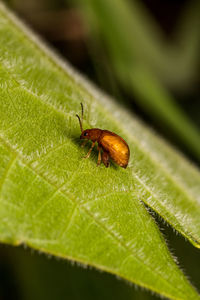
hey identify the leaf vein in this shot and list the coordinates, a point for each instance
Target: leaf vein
(9, 167)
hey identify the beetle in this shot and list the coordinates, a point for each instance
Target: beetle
(112, 145)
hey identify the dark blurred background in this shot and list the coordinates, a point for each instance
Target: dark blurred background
(145, 54)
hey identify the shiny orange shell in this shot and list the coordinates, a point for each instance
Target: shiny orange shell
(116, 146)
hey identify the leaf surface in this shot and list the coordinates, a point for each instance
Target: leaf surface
(53, 200)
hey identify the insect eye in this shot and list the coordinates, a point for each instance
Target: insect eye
(85, 134)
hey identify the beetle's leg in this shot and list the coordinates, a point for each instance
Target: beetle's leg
(99, 156)
(105, 158)
(84, 143)
(89, 152)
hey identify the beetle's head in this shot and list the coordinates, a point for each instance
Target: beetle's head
(85, 134)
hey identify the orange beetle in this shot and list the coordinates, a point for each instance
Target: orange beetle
(111, 144)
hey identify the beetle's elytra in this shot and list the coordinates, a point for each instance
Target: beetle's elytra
(111, 144)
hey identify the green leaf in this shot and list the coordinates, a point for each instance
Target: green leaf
(53, 200)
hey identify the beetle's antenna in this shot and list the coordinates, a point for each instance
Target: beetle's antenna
(81, 112)
(81, 120)
(80, 123)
